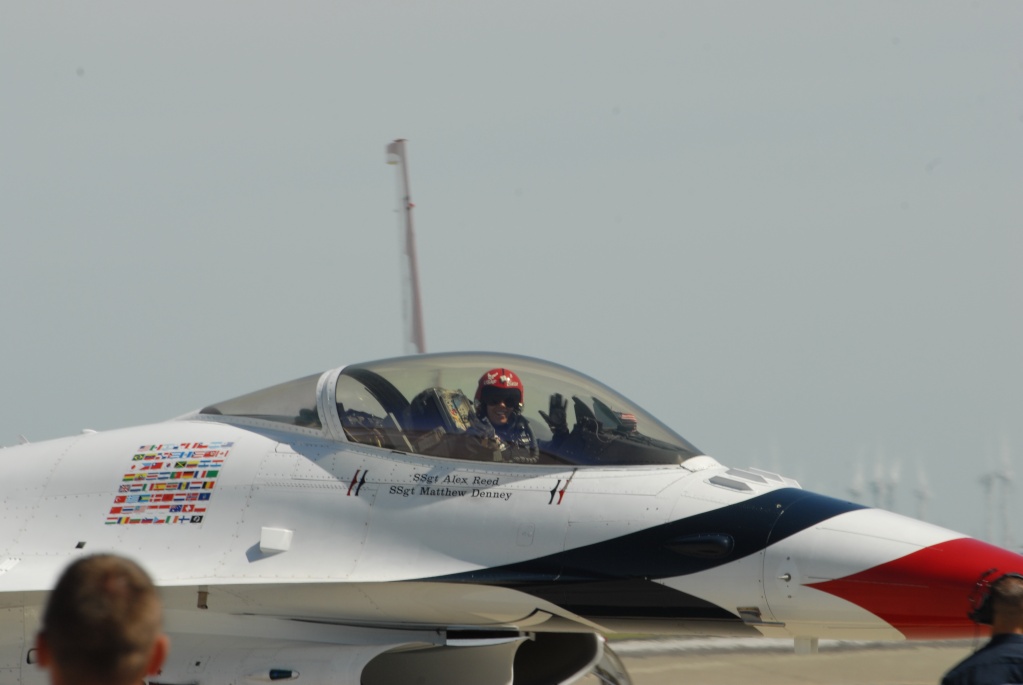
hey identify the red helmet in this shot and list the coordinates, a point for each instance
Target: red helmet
(499, 381)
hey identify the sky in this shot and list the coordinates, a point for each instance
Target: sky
(790, 230)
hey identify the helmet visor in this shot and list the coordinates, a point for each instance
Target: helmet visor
(510, 397)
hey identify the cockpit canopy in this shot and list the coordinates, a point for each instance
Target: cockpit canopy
(426, 405)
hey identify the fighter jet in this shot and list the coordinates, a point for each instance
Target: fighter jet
(457, 518)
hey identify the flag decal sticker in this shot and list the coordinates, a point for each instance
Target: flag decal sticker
(168, 483)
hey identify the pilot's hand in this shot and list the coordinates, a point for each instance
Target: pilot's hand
(480, 430)
(558, 417)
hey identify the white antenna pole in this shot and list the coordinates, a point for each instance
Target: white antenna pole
(987, 482)
(923, 491)
(877, 483)
(1005, 481)
(892, 483)
(856, 484)
(416, 337)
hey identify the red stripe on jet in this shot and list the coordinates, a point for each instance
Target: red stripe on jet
(926, 594)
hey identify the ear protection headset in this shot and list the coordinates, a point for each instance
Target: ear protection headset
(981, 609)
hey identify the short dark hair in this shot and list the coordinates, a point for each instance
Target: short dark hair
(102, 620)
(1007, 596)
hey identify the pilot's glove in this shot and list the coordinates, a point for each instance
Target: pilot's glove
(557, 420)
(481, 430)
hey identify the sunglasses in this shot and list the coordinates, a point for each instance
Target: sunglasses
(508, 399)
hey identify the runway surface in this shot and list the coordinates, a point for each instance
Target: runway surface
(837, 663)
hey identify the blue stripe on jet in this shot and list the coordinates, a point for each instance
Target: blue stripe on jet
(654, 552)
(612, 578)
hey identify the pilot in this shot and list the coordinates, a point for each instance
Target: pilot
(499, 399)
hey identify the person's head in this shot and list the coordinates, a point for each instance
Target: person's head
(499, 395)
(1006, 598)
(102, 624)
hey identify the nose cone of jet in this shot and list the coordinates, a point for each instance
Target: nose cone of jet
(926, 593)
